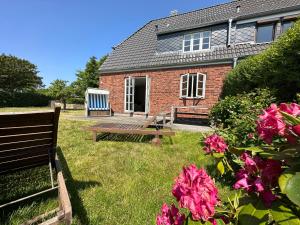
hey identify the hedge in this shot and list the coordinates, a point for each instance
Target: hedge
(24, 99)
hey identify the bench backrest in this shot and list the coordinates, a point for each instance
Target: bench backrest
(27, 139)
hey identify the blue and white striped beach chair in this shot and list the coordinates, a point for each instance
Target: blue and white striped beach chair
(97, 102)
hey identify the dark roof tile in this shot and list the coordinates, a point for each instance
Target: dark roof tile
(139, 50)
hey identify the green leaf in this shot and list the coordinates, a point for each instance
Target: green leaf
(292, 189)
(291, 119)
(283, 180)
(283, 215)
(192, 222)
(218, 155)
(255, 149)
(220, 222)
(221, 167)
(254, 213)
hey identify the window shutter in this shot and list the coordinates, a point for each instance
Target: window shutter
(201, 82)
(184, 86)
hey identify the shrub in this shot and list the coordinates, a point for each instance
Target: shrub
(25, 99)
(267, 178)
(276, 68)
(235, 116)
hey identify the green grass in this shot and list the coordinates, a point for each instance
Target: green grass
(114, 182)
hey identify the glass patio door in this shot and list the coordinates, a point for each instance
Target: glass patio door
(129, 94)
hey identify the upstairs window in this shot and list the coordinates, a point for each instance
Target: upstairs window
(286, 25)
(265, 33)
(192, 85)
(196, 41)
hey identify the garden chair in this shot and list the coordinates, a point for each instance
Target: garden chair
(29, 140)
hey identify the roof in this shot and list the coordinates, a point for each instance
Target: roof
(138, 52)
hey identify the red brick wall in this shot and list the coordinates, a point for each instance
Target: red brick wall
(165, 87)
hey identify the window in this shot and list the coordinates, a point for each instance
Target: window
(196, 41)
(265, 33)
(192, 85)
(286, 25)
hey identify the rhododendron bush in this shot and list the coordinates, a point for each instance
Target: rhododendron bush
(266, 178)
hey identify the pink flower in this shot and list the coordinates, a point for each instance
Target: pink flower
(259, 176)
(170, 216)
(292, 109)
(250, 164)
(215, 143)
(250, 136)
(259, 186)
(296, 129)
(196, 191)
(270, 124)
(268, 197)
(244, 181)
(271, 172)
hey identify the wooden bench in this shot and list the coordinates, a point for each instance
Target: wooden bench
(29, 140)
(192, 109)
(139, 129)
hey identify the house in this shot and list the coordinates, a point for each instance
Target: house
(183, 59)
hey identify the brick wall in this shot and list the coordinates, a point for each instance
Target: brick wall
(165, 87)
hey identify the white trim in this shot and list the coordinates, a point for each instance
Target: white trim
(147, 96)
(187, 83)
(229, 32)
(274, 16)
(130, 86)
(191, 76)
(200, 41)
(203, 85)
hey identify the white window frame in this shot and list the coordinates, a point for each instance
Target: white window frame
(200, 42)
(189, 76)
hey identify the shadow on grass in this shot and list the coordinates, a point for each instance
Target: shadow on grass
(125, 137)
(74, 186)
(24, 183)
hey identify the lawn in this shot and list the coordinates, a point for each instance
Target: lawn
(111, 182)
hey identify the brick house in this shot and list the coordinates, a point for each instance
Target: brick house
(183, 59)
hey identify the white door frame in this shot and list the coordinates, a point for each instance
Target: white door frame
(131, 85)
(147, 95)
(130, 88)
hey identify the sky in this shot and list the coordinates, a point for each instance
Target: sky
(59, 36)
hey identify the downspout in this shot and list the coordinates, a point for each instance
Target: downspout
(235, 59)
(229, 32)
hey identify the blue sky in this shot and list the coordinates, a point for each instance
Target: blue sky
(60, 35)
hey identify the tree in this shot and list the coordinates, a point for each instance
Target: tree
(17, 76)
(59, 90)
(89, 77)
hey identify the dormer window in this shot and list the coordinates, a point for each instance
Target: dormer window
(265, 33)
(196, 41)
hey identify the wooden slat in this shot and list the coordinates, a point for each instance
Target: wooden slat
(23, 153)
(26, 119)
(149, 121)
(25, 130)
(132, 131)
(64, 200)
(25, 144)
(26, 137)
(192, 114)
(55, 126)
(21, 163)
